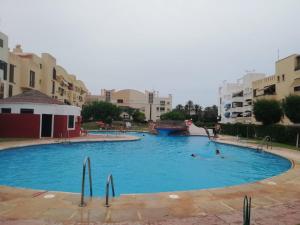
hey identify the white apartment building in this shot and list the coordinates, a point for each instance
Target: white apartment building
(235, 99)
(149, 102)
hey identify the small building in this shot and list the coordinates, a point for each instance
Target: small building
(149, 102)
(33, 114)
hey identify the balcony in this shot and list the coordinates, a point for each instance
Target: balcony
(238, 94)
(237, 104)
(267, 90)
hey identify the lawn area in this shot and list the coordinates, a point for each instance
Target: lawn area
(94, 126)
(90, 126)
(275, 144)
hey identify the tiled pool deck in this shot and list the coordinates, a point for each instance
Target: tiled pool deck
(275, 201)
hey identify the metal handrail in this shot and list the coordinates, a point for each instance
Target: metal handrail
(247, 210)
(207, 132)
(267, 140)
(109, 181)
(86, 160)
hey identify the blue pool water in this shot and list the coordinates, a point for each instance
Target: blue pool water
(152, 164)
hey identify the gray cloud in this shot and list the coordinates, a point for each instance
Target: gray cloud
(183, 47)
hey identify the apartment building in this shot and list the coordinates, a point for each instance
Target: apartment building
(149, 102)
(21, 71)
(235, 99)
(3, 65)
(284, 82)
(28, 71)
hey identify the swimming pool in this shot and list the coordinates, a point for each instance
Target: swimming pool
(152, 164)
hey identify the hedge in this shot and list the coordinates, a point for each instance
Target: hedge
(278, 133)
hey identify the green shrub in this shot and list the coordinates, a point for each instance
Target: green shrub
(267, 111)
(278, 133)
(291, 106)
(173, 115)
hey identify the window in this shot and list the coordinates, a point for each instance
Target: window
(32, 79)
(297, 67)
(254, 93)
(120, 101)
(11, 73)
(54, 74)
(278, 78)
(297, 88)
(157, 108)
(283, 77)
(150, 98)
(107, 96)
(71, 122)
(1, 43)
(1, 90)
(26, 111)
(3, 66)
(270, 90)
(162, 109)
(53, 87)
(61, 91)
(162, 102)
(6, 110)
(10, 90)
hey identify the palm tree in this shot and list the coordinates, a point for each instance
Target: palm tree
(197, 107)
(189, 107)
(179, 107)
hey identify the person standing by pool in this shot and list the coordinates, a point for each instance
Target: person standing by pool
(216, 130)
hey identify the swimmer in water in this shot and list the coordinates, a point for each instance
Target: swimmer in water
(219, 153)
(194, 155)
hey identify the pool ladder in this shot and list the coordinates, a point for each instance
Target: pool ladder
(266, 141)
(109, 182)
(86, 161)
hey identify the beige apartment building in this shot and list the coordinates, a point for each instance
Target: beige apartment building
(27, 71)
(3, 65)
(285, 81)
(149, 102)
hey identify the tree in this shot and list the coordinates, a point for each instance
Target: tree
(210, 114)
(138, 116)
(179, 107)
(104, 111)
(189, 107)
(173, 115)
(291, 106)
(267, 111)
(130, 111)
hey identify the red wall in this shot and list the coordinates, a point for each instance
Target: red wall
(60, 127)
(20, 125)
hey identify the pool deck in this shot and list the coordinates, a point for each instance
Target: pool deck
(87, 138)
(275, 201)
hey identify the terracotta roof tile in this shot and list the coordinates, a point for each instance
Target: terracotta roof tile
(32, 96)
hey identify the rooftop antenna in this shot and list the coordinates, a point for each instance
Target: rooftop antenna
(278, 54)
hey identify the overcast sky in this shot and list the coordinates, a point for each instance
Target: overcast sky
(183, 47)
